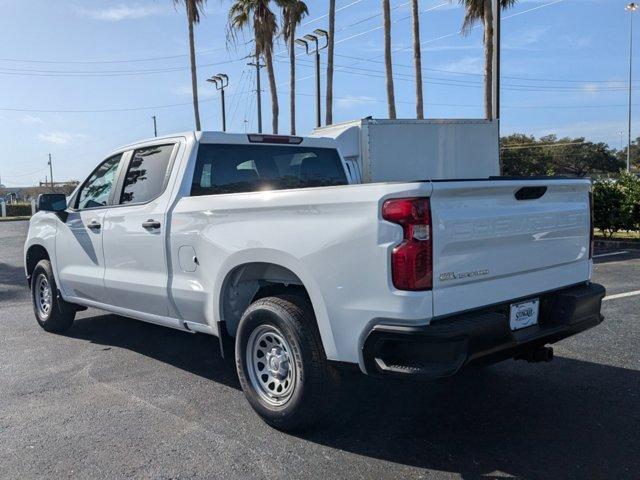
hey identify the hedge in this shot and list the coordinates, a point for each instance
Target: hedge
(616, 204)
(18, 209)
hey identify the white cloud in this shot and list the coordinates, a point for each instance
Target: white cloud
(527, 37)
(59, 138)
(122, 12)
(205, 91)
(350, 101)
(30, 119)
(464, 65)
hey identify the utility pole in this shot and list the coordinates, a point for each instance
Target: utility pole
(221, 81)
(258, 66)
(632, 7)
(51, 172)
(304, 41)
(155, 126)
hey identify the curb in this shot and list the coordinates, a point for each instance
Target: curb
(617, 244)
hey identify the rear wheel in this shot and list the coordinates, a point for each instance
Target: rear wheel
(52, 313)
(281, 363)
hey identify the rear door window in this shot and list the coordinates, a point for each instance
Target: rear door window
(246, 168)
(147, 173)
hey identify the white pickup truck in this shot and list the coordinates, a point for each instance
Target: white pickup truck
(265, 242)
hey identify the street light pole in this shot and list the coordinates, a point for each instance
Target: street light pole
(155, 126)
(221, 81)
(632, 7)
(304, 41)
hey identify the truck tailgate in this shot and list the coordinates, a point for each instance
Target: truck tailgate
(492, 244)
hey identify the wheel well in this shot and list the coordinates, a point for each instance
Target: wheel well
(249, 282)
(35, 253)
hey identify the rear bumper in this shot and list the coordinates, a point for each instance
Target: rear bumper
(446, 345)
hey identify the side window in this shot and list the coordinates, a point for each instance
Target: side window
(146, 174)
(246, 168)
(96, 190)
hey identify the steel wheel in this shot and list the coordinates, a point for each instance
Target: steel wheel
(43, 295)
(271, 365)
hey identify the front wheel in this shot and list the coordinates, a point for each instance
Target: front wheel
(281, 363)
(52, 313)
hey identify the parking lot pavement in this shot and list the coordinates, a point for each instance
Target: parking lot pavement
(116, 398)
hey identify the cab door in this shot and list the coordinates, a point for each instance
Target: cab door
(79, 252)
(135, 228)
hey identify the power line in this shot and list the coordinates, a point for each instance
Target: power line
(88, 62)
(461, 83)
(533, 79)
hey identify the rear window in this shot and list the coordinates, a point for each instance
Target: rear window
(249, 168)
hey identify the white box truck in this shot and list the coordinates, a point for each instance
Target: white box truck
(381, 150)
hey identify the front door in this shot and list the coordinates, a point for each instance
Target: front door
(136, 274)
(79, 237)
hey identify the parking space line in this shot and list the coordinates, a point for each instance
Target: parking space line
(622, 295)
(610, 254)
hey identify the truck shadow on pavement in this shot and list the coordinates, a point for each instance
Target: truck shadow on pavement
(12, 282)
(567, 419)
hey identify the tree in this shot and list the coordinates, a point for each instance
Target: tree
(476, 11)
(257, 15)
(635, 155)
(330, 45)
(549, 155)
(194, 8)
(293, 11)
(417, 58)
(386, 16)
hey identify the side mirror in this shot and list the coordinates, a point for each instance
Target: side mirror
(52, 202)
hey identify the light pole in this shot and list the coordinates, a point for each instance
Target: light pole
(315, 50)
(632, 7)
(155, 126)
(221, 81)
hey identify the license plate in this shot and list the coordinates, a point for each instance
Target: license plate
(524, 314)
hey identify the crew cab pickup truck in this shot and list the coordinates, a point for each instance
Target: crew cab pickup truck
(266, 242)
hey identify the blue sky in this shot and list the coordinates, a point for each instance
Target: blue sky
(564, 67)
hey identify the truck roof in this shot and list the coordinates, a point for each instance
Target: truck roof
(235, 138)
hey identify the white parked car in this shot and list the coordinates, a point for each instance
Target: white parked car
(265, 242)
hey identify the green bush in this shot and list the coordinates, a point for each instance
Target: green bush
(18, 210)
(616, 204)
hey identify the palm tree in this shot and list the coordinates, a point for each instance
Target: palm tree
(330, 45)
(293, 11)
(476, 11)
(194, 9)
(386, 15)
(257, 15)
(417, 59)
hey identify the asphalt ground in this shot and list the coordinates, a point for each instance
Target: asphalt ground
(117, 398)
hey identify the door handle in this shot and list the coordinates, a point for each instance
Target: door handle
(94, 225)
(151, 224)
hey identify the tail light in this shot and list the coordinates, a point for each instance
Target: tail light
(411, 261)
(591, 226)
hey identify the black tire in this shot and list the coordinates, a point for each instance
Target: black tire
(59, 315)
(316, 381)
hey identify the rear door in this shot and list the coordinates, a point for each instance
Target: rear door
(135, 228)
(498, 240)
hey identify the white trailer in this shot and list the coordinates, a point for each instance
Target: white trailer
(381, 150)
